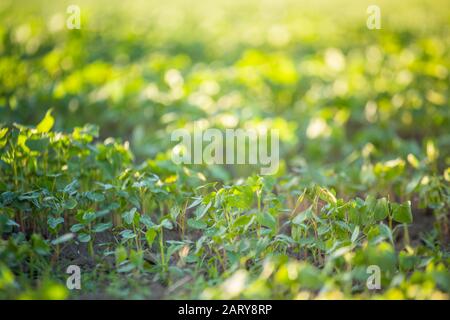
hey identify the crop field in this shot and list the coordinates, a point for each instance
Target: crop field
(350, 201)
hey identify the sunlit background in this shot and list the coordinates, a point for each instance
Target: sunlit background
(312, 69)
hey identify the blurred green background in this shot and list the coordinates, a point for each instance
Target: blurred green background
(312, 69)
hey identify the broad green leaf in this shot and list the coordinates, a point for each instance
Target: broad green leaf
(95, 196)
(355, 234)
(76, 227)
(386, 232)
(196, 202)
(89, 216)
(71, 187)
(196, 224)
(39, 245)
(299, 218)
(12, 223)
(3, 132)
(54, 222)
(128, 216)
(381, 209)
(411, 186)
(146, 220)
(127, 234)
(70, 203)
(150, 236)
(121, 255)
(126, 268)
(84, 237)
(46, 124)
(402, 212)
(201, 210)
(102, 227)
(166, 224)
(242, 220)
(266, 220)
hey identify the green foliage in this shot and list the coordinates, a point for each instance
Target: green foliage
(364, 172)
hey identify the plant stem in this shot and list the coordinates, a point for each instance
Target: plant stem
(406, 234)
(161, 248)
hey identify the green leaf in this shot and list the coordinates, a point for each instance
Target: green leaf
(267, 220)
(128, 216)
(386, 232)
(121, 255)
(147, 221)
(150, 236)
(355, 234)
(70, 204)
(195, 203)
(102, 227)
(381, 209)
(126, 268)
(12, 223)
(242, 220)
(39, 245)
(196, 224)
(71, 188)
(84, 237)
(407, 261)
(174, 213)
(127, 234)
(39, 145)
(298, 220)
(3, 132)
(402, 212)
(95, 196)
(54, 222)
(136, 258)
(412, 185)
(76, 227)
(326, 195)
(46, 124)
(89, 216)
(201, 210)
(166, 224)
